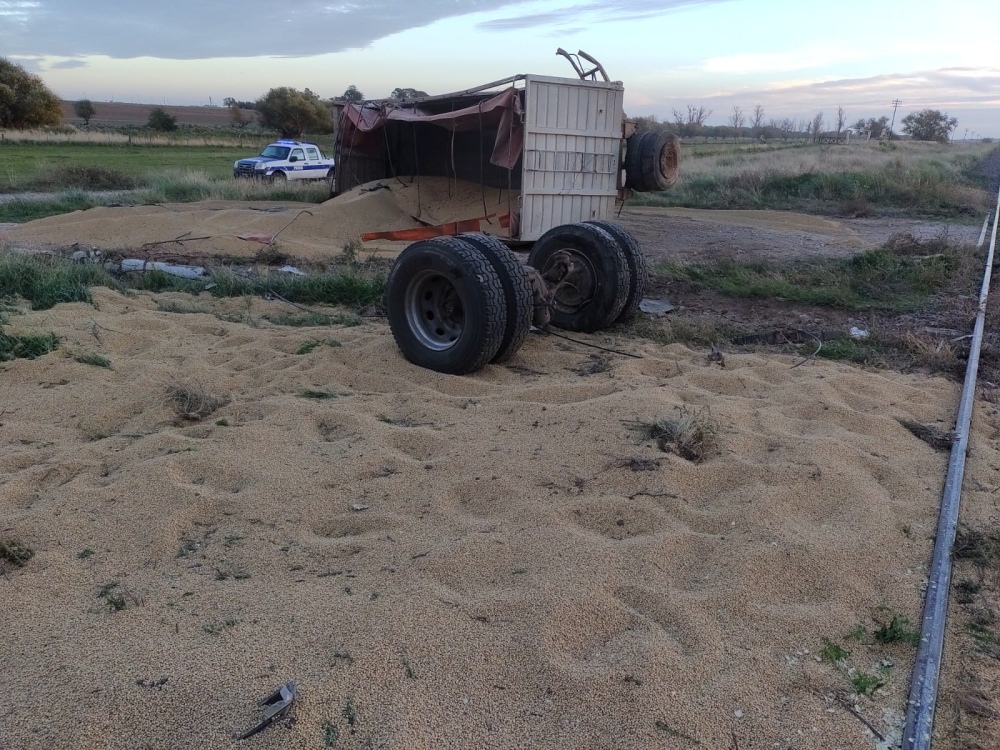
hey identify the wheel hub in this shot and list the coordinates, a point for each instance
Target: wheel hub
(571, 278)
(434, 310)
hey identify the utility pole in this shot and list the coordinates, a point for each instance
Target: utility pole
(895, 104)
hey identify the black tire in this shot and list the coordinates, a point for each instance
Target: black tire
(446, 306)
(633, 168)
(659, 158)
(587, 272)
(516, 291)
(638, 272)
(276, 177)
(651, 161)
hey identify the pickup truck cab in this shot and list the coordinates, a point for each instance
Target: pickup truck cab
(287, 160)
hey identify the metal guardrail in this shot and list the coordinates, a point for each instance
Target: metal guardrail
(919, 726)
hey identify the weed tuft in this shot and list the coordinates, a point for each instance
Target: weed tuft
(331, 733)
(690, 435)
(92, 358)
(192, 401)
(28, 346)
(978, 546)
(45, 281)
(897, 630)
(113, 598)
(833, 652)
(865, 683)
(318, 395)
(312, 344)
(15, 553)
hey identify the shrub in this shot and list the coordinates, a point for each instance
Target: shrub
(25, 101)
(160, 119)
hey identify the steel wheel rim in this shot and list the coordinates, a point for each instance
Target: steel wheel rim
(434, 310)
(574, 288)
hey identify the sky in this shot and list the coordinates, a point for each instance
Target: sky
(793, 58)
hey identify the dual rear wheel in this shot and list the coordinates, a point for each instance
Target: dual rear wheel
(456, 304)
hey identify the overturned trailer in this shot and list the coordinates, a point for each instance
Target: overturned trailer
(557, 155)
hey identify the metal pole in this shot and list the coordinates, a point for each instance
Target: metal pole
(895, 104)
(927, 666)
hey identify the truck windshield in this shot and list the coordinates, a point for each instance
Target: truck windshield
(275, 152)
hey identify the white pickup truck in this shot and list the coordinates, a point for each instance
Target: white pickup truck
(287, 160)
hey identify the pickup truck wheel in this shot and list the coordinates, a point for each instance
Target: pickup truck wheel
(445, 304)
(638, 274)
(276, 177)
(587, 274)
(516, 291)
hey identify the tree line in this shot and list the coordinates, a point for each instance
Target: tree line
(26, 102)
(924, 125)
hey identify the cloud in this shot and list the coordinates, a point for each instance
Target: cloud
(194, 29)
(68, 65)
(954, 90)
(780, 62)
(594, 12)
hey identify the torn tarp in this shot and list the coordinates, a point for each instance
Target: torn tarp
(502, 112)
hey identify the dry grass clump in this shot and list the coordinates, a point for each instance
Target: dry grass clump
(935, 437)
(939, 354)
(14, 554)
(192, 401)
(691, 434)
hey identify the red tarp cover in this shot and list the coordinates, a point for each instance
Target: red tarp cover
(502, 111)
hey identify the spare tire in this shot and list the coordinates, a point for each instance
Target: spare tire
(633, 169)
(637, 269)
(516, 291)
(652, 160)
(587, 274)
(445, 305)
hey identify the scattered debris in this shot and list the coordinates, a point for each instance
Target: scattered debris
(276, 707)
(655, 306)
(717, 356)
(858, 333)
(637, 464)
(264, 239)
(359, 507)
(152, 683)
(292, 270)
(138, 265)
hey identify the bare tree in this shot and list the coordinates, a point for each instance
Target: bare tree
(692, 121)
(736, 119)
(816, 126)
(757, 119)
(841, 118)
(698, 116)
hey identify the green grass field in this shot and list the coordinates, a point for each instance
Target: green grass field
(34, 166)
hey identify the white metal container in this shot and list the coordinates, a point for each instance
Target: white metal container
(572, 150)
